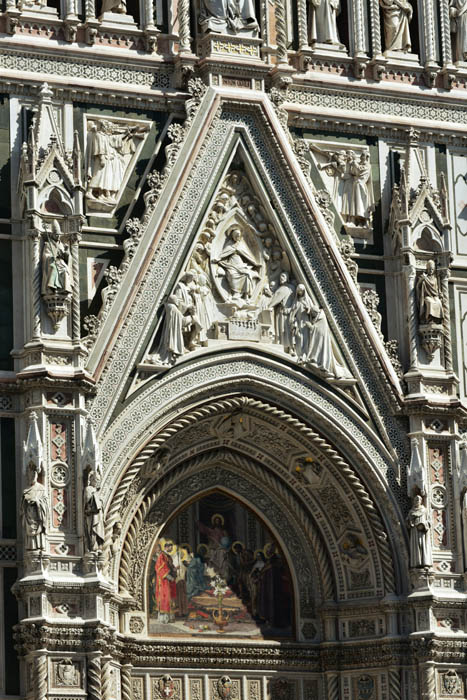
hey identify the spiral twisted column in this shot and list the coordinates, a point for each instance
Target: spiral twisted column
(75, 313)
(184, 25)
(125, 675)
(446, 320)
(446, 41)
(332, 683)
(394, 684)
(90, 9)
(36, 286)
(302, 25)
(281, 31)
(40, 668)
(375, 26)
(94, 676)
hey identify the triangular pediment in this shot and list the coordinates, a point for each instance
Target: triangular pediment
(242, 174)
(241, 284)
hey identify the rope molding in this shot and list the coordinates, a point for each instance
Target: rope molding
(130, 552)
(229, 405)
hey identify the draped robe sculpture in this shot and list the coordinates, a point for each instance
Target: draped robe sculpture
(56, 277)
(323, 22)
(94, 532)
(458, 14)
(419, 534)
(34, 511)
(397, 15)
(429, 299)
(228, 17)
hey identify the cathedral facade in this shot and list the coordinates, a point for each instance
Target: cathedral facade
(233, 401)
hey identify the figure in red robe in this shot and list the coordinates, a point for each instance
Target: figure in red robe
(166, 587)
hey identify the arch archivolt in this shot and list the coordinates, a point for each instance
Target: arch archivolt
(243, 479)
(331, 514)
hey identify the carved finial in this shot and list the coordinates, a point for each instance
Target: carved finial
(33, 451)
(45, 92)
(91, 458)
(416, 478)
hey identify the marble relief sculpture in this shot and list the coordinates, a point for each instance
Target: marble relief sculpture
(419, 534)
(349, 172)
(110, 147)
(397, 15)
(228, 17)
(458, 14)
(323, 22)
(238, 286)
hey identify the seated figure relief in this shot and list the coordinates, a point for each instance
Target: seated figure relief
(228, 17)
(238, 286)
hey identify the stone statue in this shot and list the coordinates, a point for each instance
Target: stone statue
(118, 6)
(34, 510)
(353, 188)
(397, 15)
(359, 202)
(281, 301)
(181, 325)
(56, 277)
(419, 534)
(228, 17)
(204, 307)
(94, 533)
(311, 336)
(430, 306)
(239, 266)
(109, 146)
(323, 22)
(458, 14)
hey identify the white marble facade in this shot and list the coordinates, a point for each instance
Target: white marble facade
(234, 372)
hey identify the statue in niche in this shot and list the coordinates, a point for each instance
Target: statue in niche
(228, 17)
(56, 276)
(430, 305)
(239, 266)
(458, 14)
(110, 146)
(353, 188)
(323, 22)
(419, 533)
(118, 6)
(34, 510)
(94, 533)
(281, 302)
(397, 15)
